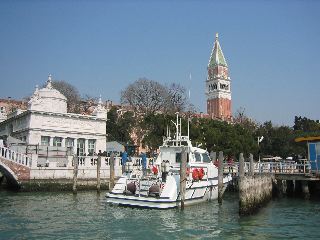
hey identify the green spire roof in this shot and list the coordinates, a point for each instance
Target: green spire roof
(217, 57)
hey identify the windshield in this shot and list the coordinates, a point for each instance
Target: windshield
(197, 156)
(206, 157)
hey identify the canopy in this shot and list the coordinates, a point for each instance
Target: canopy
(303, 139)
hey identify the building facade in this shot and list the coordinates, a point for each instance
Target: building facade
(46, 122)
(218, 85)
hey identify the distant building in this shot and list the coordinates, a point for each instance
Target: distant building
(46, 122)
(218, 85)
(9, 105)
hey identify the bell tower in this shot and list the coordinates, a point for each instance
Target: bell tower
(218, 88)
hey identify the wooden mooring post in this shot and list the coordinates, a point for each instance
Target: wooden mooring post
(251, 164)
(111, 163)
(183, 179)
(98, 174)
(75, 174)
(220, 177)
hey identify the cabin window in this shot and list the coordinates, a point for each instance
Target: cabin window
(206, 158)
(178, 157)
(197, 156)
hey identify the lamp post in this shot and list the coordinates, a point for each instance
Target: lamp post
(259, 141)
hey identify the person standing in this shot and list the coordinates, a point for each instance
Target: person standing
(144, 163)
(124, 159)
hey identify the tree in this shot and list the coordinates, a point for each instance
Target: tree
(71, 93)
(119, 127)
(145, 96)
(243, 120)
(306, 125)
(148, 96)
(178, 100)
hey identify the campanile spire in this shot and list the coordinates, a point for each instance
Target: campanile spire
(218, 83)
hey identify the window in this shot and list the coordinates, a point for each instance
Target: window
(206, 158)
(81, 147)
(197, 156)
(178, 157)
(57, 141)
(91, 146)
(45, 140)
(2, 109)
(69, 142)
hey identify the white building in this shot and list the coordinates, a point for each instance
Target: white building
(46, 122)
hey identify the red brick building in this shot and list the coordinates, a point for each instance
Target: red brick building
(218, 89)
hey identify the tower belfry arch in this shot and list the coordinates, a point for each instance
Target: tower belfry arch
(218, 85)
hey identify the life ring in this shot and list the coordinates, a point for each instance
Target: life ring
(195, 174)
(155, 170)
(201, 173)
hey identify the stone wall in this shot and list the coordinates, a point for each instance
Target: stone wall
(254, 192)
(61, 185)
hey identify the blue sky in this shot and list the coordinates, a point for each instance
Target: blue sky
(272, 49)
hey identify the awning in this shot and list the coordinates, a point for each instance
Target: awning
(304, 139)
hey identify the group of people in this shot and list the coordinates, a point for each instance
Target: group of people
(125, 158)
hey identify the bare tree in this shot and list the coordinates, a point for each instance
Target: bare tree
(243, 120)
(178, 99)
(145, 96)
(71, 93)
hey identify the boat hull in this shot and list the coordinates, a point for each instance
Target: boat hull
(193, 196)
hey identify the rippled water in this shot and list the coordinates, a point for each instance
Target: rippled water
(87, 216)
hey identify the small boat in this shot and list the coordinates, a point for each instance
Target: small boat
(160, 187)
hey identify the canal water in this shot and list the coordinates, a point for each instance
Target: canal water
(88, 216)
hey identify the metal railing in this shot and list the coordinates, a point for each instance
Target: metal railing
(281, 167)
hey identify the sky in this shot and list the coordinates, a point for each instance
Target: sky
(272, 48)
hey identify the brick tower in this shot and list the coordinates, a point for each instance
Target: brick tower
(218, 89)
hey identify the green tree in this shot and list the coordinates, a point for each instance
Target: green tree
(119, 127)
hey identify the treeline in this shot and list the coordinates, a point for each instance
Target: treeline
(214, 135)
(153, 106)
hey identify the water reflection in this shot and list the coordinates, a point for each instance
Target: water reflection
(88, 216)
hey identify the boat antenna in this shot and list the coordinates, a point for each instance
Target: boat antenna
(188, 126)
(180, 129)
(189, 110)
(167, 131)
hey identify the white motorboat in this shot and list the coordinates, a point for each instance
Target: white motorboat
(160, 187)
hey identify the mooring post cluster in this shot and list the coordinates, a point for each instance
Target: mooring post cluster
(255, 190)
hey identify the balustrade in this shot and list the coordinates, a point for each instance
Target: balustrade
(16, 157)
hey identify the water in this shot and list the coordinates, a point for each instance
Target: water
(87, 216)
